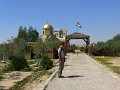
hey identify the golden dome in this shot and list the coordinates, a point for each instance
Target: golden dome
(47, 27)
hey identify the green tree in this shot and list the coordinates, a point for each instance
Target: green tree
(40, 50)
(15, 46)
(52, 43)
(19, 62)
(73, 47)
(20, 45)
(110, 48)
(22, 33)
(3, 51)
(46, 63)
(33, 35)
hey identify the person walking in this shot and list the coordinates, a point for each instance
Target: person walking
(61, 59)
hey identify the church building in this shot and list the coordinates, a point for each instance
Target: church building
(47, 32)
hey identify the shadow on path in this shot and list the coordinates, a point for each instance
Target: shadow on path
(72, 76)
(64, 65)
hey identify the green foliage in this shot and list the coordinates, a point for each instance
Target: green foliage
(20, 46)
(39, 69)
(108, 48)
(29, 35)
(30, 62)
(3, 51)
(82, 49)
(15, 46)
(40, 48)
(52, 43)
(32, 35)
(22, 33)
(73, 47)
(50, 73)
(18, 63)
(6, 69)
(46, 63)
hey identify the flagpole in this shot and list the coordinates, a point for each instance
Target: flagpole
(78, 25)
(77, 28)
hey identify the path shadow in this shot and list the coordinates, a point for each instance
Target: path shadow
(67, 65)
(64, 65)
(73, 76)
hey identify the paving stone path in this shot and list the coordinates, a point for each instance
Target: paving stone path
(81, 72)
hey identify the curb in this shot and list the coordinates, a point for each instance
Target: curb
(46, 82)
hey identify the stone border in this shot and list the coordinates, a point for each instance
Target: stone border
(44, 85)
(48, 80)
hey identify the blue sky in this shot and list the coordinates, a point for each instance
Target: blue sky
(99, 18)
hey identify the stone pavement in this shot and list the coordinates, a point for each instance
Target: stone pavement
(81, 72)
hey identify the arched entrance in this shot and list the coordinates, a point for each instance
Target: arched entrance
(77, 35)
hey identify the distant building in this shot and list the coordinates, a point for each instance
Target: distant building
(61, 34)
(47, 32)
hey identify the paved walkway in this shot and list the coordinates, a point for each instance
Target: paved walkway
(83, 73)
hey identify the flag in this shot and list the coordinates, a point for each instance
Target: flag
(78, 24)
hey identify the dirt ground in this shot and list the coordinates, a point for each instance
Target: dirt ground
(2, 64)
(7, 80)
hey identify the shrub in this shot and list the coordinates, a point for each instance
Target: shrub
(30, 62)
(46, 63)
(39, 69)
(19, 63)
(109, 48)
(50, 73)
(6, 69)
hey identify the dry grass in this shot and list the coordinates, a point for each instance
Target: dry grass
(106, 61)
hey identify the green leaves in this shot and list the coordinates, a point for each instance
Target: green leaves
(46, 63)
(73, 47)
(29, 35)
(32, 35)
(22, 33)
(52, 43)
(40, 48)
(110, 48)
(19, 62)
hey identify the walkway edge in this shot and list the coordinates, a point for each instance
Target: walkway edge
(48, 80)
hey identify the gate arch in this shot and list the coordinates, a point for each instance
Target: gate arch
(77, 35)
